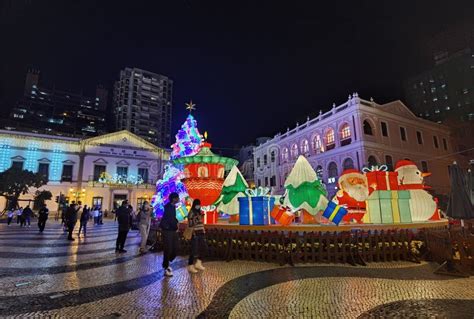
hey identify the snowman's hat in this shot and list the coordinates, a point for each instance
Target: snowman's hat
(404, 163)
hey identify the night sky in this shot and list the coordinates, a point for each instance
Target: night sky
(252, 67)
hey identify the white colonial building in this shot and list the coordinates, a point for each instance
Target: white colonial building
(102, 170)
(356, 134)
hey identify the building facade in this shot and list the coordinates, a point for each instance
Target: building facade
(446, 90)
(356, 134)
(102, 170)
(53, 111)
(246, 165)
(143, 105)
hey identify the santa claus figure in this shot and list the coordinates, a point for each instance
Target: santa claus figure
(353, 192)
(422, 205)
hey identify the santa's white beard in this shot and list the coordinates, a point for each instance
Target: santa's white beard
(358, 192)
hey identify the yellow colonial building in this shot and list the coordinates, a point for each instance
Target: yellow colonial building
(102, 170)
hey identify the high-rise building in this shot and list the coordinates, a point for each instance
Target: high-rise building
(143, 105)
(446, 88)
(54, 111)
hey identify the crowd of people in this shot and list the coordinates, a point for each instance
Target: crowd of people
(127, 218)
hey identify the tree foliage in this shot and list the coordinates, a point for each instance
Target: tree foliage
(41, 197)
(15, 182)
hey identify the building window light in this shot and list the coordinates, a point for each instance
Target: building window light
(437, 111)
(435, 99)
(447, 108)
(465, 91)
(97, 99)
(433, 89)
(443, 86)
(445, 97)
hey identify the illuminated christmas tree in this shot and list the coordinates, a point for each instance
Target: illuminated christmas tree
(188, 143)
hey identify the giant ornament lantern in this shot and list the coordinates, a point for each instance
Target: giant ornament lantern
(204, 174)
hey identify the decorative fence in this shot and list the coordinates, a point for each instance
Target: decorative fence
(286, 247)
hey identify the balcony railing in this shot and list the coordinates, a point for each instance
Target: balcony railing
(94, 182)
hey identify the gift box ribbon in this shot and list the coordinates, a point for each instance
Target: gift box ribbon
(260, 191)
(375, 168)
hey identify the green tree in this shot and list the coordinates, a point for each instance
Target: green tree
(41, 197)
(15, 182)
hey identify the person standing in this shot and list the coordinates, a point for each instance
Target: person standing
(18, 213)
(144, 225)
(42, 217)
(198, 240)
(71, 219)
(27, 213)
(83, 220)
(96, 215)
(10, 214)
(169, 228)
(123, 218)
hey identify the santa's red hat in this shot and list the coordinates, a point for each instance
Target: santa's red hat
(351, 172)
(403, 163)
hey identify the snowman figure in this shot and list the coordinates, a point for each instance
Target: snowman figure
(422, 205)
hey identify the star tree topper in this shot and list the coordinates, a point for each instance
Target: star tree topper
(190, 106)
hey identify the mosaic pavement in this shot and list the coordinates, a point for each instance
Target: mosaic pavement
(44, 275)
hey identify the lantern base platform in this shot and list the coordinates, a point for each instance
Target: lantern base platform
(224, 224)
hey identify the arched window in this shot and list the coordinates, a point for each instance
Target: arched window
(389, 162)
(203, 171)
(332, 173)
(319, 172)
(330, 139)
(368, 128)
(372, 161)
(284, 155)
(272, 156)
(318, 145)
(345, 134)
(304, 147)
(294, 151)
(348, 163)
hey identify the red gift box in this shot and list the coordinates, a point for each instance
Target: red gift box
(381, 180)
(210, 217)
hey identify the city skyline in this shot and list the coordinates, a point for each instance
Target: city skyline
(310, 57)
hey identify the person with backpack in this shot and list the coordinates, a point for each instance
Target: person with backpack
(169, 229)
(198, 239)
(144, 224)
(42, 217)
(83, 220)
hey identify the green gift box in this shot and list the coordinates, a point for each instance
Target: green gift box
(379, 207)
(404, 206)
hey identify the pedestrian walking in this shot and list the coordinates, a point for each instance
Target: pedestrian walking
(144, 224)
(26, 216)
(18, 213)
(96, 215)
(83, 221)
(10, 214)
(42, 217)
(71, 219)
(124, 222)
(169, 228)
(198, 239)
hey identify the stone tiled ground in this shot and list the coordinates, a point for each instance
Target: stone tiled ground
(44, 275)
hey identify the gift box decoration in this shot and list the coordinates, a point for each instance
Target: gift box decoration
(378, 178)
(181, 213)
(210, 217)
(386, 207)
(402, 199)
(307, 218)
(282, 215)
(334, 212)
(255, 208)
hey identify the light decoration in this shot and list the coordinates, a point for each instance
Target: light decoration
(31, 157)
(5, 154)
(56, 164)
(117, 179)
(188, 143)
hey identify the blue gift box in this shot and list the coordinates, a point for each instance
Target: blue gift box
(334, 212)
(255, 210)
